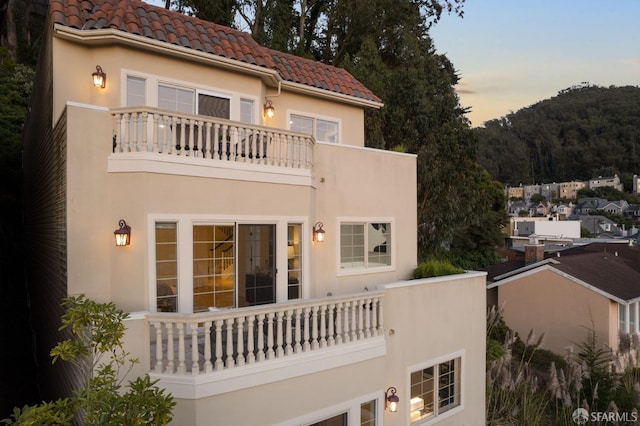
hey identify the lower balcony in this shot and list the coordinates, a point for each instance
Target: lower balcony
(217, 349)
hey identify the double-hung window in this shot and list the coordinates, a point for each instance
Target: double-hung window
(435, 389)
(322, 130)
(365, 245)
(628, 317)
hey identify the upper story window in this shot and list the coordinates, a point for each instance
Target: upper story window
(627, 318)
(246, 111)
(136, 91)
(176, 99)
(365, 245)
(322, 130)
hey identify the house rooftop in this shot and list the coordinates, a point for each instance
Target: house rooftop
(613, 268)
(145, 20)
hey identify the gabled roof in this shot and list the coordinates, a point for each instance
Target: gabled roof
(611, 269)
(145, 20)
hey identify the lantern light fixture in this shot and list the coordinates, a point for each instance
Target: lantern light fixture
(99, 78)
(269, 110)
(391, 399)
(123, 234)
(318, 232)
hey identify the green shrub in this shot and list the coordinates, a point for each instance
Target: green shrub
(436, 268)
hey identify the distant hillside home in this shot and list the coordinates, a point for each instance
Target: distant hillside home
(569, 190)
(586, 205)
(564, 211)
(550, 191)
(612, 181)
(530, 191)
(564, 294)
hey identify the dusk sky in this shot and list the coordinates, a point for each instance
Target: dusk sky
(514, 53)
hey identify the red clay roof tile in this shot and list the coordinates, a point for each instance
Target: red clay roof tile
(139, 18)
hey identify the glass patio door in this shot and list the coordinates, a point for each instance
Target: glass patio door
(256, 273)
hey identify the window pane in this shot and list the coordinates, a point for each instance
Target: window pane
(422, 394)
(175, 99)
(448, 385)
(166, 267)
(327, 131)
(246, 111)
(368, 413)
(301, 124)
(135, 91)
(622, 318)
(294, 261)
(213, 106)
(379, 244)
(339, 420)
(213, 267)
(351, 245)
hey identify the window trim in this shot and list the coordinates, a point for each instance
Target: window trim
(432, 363)
(365, 220)
(315, 118)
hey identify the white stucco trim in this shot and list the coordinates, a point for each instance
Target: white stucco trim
(233, 379)
(151, 162)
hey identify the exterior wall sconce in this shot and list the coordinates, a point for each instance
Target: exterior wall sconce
(391, 399)
(269, 110)
(318, 232)
(123, 234)
(99, 78)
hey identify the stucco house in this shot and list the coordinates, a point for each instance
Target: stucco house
(263, 252)
(565, 293)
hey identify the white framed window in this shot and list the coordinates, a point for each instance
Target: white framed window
(366, 244)
(628, 317)
(246, 110)
(176, 99)
(365, 410)
(436, 389)
(323, 130)
(202, 263)
(136, 91)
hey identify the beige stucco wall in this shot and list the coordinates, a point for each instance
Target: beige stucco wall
(549, 303)
(436, 318)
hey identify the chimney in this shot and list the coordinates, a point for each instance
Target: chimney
(533, 252)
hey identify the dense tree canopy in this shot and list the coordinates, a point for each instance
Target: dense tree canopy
(584, 132)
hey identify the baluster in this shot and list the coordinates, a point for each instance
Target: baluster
(159, 351)
(217, 143)
(197, 140)
(270, 342)
(306, 346)
(331, 339)
(208, 367)
(288, 317)
(279, 335)
(380, 317)
(314, 327)
(175, 147)
(171, 365)
(360, 324)
(226, 143)
(207, 145)
(118, 134)
(144, 140)
(323, 326)
(298, 319)
(218, 362)
(368, 311)
(353, 323)
(127, 136)
(228, 360)
(339, 313)
(261, 337)
(155, 137)
(240, 337)
(195, 353)
(251, 357)
(182, 367)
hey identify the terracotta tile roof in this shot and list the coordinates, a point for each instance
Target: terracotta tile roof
(139, 18)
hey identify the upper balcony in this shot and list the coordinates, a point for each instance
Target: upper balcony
(213, 140)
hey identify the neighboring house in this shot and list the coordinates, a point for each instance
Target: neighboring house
(550, 191)
(612, 181)
(569, 190)
(586, 205)
(570, 291)
(516, 192)
(530, 191)
(515, 207)
(564, 211)
(269, 253)
(633, 212)
(598, 225)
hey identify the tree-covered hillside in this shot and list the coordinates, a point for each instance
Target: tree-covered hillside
(583, 132)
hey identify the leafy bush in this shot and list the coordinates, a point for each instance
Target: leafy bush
(436, 268)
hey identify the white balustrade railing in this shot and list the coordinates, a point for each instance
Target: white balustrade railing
(220, 340)
(146, 129)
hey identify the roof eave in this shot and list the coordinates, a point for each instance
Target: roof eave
(303, 88)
